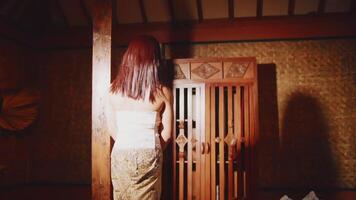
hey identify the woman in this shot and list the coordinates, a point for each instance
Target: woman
(140, 122)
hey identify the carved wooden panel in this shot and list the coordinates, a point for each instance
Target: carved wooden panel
(215, 69)
(206, 70)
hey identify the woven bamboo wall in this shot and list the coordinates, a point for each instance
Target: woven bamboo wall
(307, 108)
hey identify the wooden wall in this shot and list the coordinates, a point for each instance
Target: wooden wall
(62, 133)
(15, 149)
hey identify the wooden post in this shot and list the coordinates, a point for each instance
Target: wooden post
(102, 25)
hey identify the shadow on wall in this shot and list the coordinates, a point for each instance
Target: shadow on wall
(306, 160)
(268, 124)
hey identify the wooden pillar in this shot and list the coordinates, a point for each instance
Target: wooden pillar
(102, 28)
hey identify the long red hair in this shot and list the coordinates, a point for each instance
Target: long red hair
(138, 71)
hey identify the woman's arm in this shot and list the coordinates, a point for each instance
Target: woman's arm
(167, 117)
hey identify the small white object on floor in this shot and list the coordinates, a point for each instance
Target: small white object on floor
(285, 197)
(311, 196)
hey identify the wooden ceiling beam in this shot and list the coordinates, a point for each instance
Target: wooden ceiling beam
(62, 13)
(231, 8)
(200, 10)
(291, 7)
(143, 11)
(86, 12)
(171, 10)
(259, 11)
(321, 6)
(240, 29)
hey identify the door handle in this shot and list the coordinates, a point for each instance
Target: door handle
(202, 148)
(205, 148)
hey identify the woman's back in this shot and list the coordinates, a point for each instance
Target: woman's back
(120, 102)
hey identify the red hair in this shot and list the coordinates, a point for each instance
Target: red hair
(138, 71)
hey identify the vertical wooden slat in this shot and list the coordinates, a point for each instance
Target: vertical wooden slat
(251, 149)
(221, 144)
(114, 14)
(291, 6)
(206, 189)
(199, 135)
(259, 9)
(102, 16)
(212, 141)
(190, 147)
(321, 6)
(143, 11)
(199, 10)
(171, 10)
(235, 184)
(246, 136)
(353, 6)
(254, 136)
(230, 144)
(174, 155)
(62, 13)
(86, 13)
(181, 176)
(181, 151)
(238, 135)
(231, 9)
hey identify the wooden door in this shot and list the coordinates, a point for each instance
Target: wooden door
(216, 128)
(228, 124)
(189, 137)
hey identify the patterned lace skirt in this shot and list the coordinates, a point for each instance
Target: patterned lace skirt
(136, 173)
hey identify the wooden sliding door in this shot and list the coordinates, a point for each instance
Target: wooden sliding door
(215, 128)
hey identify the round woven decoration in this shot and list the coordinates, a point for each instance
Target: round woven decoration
(18, 110)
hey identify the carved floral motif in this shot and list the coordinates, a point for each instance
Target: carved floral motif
(237, 70)
(205, 70)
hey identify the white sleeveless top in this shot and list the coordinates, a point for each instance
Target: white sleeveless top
(136, 129)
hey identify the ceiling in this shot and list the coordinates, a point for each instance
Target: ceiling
(30, 14)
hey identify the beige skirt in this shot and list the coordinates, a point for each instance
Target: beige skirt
(136, 173)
